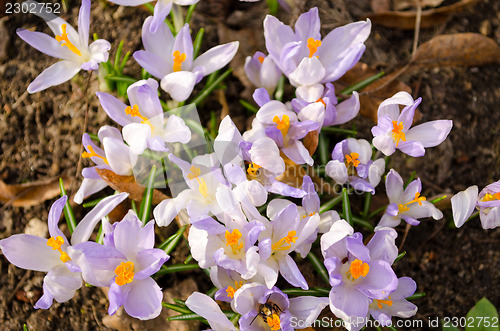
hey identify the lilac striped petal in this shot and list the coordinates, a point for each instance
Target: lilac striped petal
(346, 302)
(88, 187)
(206, 307)
(346, 110)
(385, 144)
(291, 273)
(310, 71)
(463, 204)
(277, 35)
(308, 25)
(307, 308)
(56, 74)
(337, 69)
(114, 108)
(390, 107)
(379, 281)
(117, 295)
(84, 22)
(275, 134)
(98, 53)
(149, 261)
(394, 186)
(144, 93)
(159, 43)
(216, 57)
(382, 246)
(297, 152)
(45, 44)
(54, 216)
(62, 283)
(491, 219)
(118, 156)
(430, 134)
(412, 148)
(184, 44)
(261, 96)
(266, 154)
(152, 63)
(161, 11)
(408, 113)
(300, 129)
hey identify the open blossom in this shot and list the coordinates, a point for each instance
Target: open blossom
(262, 71)
(70, 46)
(406, 204)
(125, 263)
(358, 274)
(115, 156)
(393, 130)
(351, 162)
(144, 123)
(54, 255)
(487, 202)
(170, 59)
(307, 59)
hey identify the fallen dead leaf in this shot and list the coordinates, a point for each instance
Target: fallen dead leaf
(381, 5)
(311, 142)
(431, 17)
(31, 194)
(405, 4)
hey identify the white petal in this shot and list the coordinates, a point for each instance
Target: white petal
(56, 74)
(179, 84)
(206, 307)
(337, 170)
(463, 204)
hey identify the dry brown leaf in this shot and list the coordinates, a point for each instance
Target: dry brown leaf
(405, 4)
(31, 194)
(311, 142)
(430, 18)
(381, 5)
(128, 184)
(460, 49)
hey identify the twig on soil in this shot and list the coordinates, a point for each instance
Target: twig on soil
(408, 227)
(417, 28)
(19, 285)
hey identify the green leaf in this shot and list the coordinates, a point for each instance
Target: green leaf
(483, 316)
(249, 106)
(330, 204)
(124, 79)
(361, 85)
(278, 95)
(319, 267)
(190, 13)
(400, 256)
(209, 88)
(416, 295)
(177, 308)
(176, 268)
(118, 55)
(197, 42)
(324, 143)
(172, 241)
(68, 211)
(346, 206)
(330, 129)
(147, 199)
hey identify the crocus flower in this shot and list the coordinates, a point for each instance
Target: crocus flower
(393, 130)
(54, 255)
(70, 46)
(206, 307)
(144, 124)
(351, 162)
(125, 262)
(487, 202)
(162, 9)
(358, 273)
(115, 156)
(305, 58)
(262, 71)
(170, 59)
(406, 204)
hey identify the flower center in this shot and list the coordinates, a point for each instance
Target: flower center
(64, 38)
(231, 290)
(283, 124)
(285, 242)
(385, 302)
(195, 172)
(178, 59)
(55, 244)
(352, 159)
(313, 45)
(322, 101)
(418, 198)
(358, 268)
(253, 169)
(261, 59)
(397, 132)
(233, 240)
(491, 197)
(134, 112)
(92, 153)
(124, 273)
(202, 185)
(274, 322)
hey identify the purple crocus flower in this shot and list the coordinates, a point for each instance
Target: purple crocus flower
(54, 255)
(351, 162)
(262, 71)
(393, 129)
(69, 45)
(170, 59)
(305, 58)
(487, 202)
(125, 263)
(162, 9)
(144, 124)
(358, 273)
(406, 204)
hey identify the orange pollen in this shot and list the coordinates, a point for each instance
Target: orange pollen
(124, 273)
(313, 45)
(386, 302)
(233, 240)
(253, 168)
(285, 242)
(92, 153)
(311, 214)
(418, 199)
(352, 159)
(491, 197)
(231, 290)
(283, 124)
(178, 59)
(261, 59)
(64, 38)
(322, 101)
(274, 322)
(195, 172)
(397, 132)
(55, 244)
(358, 268)
(134, 112)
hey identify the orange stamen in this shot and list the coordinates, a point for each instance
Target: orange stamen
(313, 45)
(397, 132)
(352, 159)
(178, 59)
(64, 38)
(124, 273)
(93, 153)
(358, 268)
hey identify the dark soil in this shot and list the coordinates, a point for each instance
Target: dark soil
(41, 136)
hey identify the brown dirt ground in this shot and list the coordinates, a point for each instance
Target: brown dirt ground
(41, 135)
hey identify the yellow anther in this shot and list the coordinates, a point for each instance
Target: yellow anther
(385, 302)
(311, 214)
(397, 132)
(233, 240)
(285, 242)
(352, 159)
(134, 112)
(418, 199)
(202, 187)
(358, 268)
(283, 124)
(178, 59)
(261, 59)
(491, 197)
(313, 45)
(92, 153)
(274, 322)
(322, 101)
(231, 290)
(64, 38)
(195, 172)
(253, 169)
(55, 244)
(124, 273)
